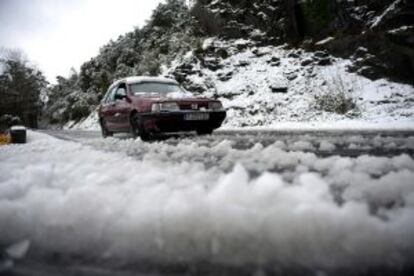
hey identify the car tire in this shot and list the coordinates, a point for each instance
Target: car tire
(104, 130)
(137, 129)
(206, 131)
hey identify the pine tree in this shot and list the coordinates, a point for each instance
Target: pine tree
(20, 87)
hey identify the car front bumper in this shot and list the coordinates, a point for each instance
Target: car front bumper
(176, 121)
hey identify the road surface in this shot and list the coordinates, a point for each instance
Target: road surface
(340, 203)
(346, 143)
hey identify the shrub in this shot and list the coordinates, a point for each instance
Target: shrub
(318, 15)
(79, 111)
(337, 97)
(149, 66)
(335, 102)
(208, 22)
(7, 121)
(198, 48)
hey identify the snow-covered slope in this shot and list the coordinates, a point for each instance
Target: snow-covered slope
(308, 211)
(89, 123)
(262, 86)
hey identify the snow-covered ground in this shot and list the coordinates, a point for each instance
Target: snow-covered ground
(265, 86)
(198, 199)
(89, 123)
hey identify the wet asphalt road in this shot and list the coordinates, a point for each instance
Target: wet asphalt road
(385, 143)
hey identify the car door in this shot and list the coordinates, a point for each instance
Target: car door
(108, 109)
(121, 108)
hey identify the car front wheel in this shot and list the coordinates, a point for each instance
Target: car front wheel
(137, 129)
(104, 130)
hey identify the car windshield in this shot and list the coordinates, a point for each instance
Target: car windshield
(155, 87)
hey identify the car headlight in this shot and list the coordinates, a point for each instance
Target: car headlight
(215, 106)
(160, 107)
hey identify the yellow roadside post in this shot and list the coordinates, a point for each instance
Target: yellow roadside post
(5, 139)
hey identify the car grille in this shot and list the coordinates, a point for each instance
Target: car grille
(193, 106)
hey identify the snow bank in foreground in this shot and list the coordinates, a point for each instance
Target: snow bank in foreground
(322, 212)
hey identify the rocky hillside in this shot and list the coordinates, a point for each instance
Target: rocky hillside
(265, 85)
(304, 60)
(384, 28)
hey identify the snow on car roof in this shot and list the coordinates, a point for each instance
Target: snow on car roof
(149, 79)
(140, 79)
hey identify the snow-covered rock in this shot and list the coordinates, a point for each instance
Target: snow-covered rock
(261, 94)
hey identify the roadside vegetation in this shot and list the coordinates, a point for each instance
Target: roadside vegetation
(143, 51)
(339, 97)
(21, 88)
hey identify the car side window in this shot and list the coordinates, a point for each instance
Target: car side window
(111, 95)
(105, 98)
(120, 91)
(115, 93)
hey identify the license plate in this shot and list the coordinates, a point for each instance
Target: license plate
(196, 117)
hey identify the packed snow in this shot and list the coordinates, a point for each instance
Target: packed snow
(201, 200)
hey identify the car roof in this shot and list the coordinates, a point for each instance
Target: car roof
(141, 79)
(131, 80)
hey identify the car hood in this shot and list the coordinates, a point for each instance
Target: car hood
(175, 95)
(179, 97)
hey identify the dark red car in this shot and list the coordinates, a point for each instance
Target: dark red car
(147, 105)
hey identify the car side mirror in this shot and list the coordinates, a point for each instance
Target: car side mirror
(120, 97)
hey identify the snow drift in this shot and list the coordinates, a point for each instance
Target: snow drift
(334, 212)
